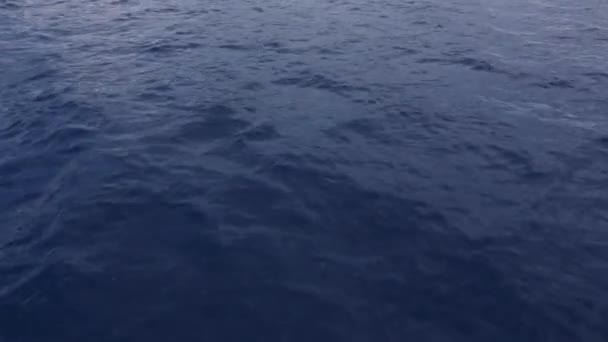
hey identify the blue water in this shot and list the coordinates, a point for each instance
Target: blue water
(312, 170)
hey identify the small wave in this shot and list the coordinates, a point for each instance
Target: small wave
(556, 83)
(261, 133)
(236, 47)
(473, 63)
(160, 47)
(211, 129)
(317, 81)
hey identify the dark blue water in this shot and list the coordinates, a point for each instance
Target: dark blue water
(314, 170)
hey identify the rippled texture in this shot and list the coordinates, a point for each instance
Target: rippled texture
(309, 170)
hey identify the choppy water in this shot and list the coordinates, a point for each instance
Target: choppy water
(309, 170)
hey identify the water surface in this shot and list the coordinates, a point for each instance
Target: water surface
(309, 170)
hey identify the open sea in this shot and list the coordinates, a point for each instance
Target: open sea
(303, 171)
